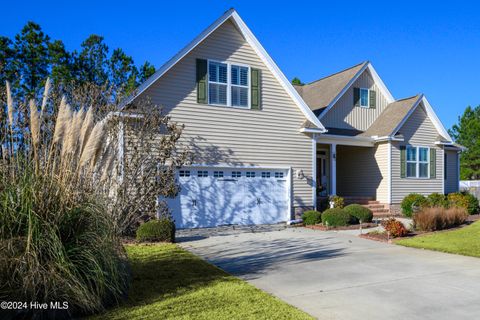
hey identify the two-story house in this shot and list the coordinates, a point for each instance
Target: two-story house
(266, 150)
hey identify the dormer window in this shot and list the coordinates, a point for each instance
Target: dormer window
(364, 98)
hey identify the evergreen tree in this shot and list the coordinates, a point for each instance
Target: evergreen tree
(297, 81)
(91, 63)
(467, 133)
(31, 59)
(146, 70)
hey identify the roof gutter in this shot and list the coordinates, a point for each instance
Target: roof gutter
(386, 138)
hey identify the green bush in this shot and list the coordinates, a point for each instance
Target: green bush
(360, 212)
(437, 200)
(337, 217)
(338, 202)
(311, 217)
(162, 230)
(412, 200)
(464, 200)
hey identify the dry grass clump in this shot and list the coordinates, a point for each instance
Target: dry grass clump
(439, 218)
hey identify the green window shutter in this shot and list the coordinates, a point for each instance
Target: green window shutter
(255, 94)
(356, 97)
(403, 161)
(202, 81)
(373, 99)
(433, 163)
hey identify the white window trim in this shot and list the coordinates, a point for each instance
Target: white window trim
(417, 162)
(368, 98)
(229, 84)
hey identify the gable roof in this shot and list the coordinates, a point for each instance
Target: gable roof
(321, 95)
(233, 16)
(391, 120)
(318, 94)
(391, 117)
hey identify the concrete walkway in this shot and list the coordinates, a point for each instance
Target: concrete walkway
(340, 276)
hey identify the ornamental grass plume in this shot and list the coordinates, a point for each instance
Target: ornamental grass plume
(58, 241)
(46, 92)
(9, 104)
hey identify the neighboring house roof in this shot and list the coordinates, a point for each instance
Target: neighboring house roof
(321, 95)
(391, 117)
(257, 47)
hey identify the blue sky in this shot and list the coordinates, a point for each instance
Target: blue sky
(428, 47)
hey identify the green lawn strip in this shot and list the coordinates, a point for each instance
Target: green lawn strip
(464, 241)
(171, 283)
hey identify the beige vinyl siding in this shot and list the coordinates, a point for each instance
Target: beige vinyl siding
(237, 137)
(452, 179)
(346, 116)
(418, 130)
(358, 173)
(382, 156)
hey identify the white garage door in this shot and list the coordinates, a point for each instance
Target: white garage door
(217, 196)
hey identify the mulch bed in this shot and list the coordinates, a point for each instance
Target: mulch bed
(350, 227)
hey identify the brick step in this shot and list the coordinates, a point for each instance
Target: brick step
(363, 202)
(373, 206)
(375, 211)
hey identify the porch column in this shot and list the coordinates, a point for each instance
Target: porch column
(333, 168)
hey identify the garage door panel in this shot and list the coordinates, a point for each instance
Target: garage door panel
(212, 197)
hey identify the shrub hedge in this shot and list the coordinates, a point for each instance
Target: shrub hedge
(161, 230)
(464, 200)
(360, 212)
(437, 200)
(336, 217)
(311, 217)
(412, 200)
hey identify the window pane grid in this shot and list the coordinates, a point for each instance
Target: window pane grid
(418, 162)
(364, 98)
(228, 85)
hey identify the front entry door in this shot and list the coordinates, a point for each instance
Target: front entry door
(322, 173)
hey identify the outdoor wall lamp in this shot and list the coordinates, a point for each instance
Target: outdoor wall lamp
(300, 174)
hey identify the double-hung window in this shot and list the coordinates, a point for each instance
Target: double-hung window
(218, 83)
(364, 98)
(228, 84)
(418, 162)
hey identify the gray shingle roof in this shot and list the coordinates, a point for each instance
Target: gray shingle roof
(391, 117)
(318, 94)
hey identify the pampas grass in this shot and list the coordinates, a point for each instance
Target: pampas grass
(9, 104)
(46, 92)
(58, 241)
(34, 124)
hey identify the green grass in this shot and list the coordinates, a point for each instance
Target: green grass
(171, 283)
(464, 241)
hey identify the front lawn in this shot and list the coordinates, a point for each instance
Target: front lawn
(464, 241)
(171, 283)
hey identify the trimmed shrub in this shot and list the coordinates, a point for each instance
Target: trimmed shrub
(338, 202)
(473, 206)
(464, 200)
(410, 201)
(337, 217)
(438, 218)
(162, 230)
(437, 200)
(311, 217)
(394, 227)
(360, 212)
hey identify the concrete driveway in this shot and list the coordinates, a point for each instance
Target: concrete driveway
(340, 276)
